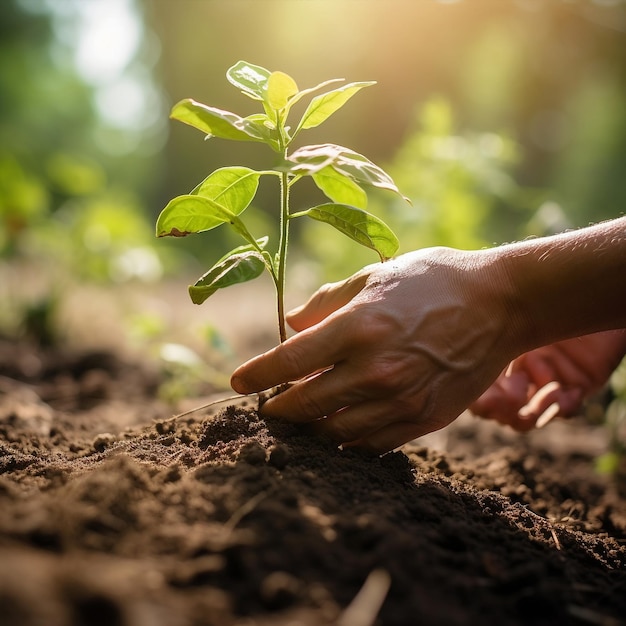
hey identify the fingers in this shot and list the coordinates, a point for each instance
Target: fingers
(527, 396)
(306, 352)
(317, 396)
(358, 422)
(504, 398)
(312, 350)
(550, 363)
(536, 368)
(544, 404)
(550, 401)
(295, 358)
(325, 301)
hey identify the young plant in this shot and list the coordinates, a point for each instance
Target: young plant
(222, 197)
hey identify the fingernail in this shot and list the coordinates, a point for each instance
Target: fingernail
(238, 385)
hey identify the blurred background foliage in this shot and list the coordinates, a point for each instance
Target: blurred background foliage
(498, 118)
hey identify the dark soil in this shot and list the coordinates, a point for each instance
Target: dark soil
(113, 514)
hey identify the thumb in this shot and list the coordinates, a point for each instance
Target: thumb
(326, 300)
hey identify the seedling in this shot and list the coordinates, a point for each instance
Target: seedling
(222, 197)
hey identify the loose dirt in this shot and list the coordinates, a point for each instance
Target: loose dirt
(112, 513)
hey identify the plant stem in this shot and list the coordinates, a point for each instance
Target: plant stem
(284, 140)
(282, 254)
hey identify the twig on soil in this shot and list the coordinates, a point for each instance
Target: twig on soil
(364, 608)
(556, 539)
(261, 397)
(544, 521)
(213, 403)
(243, 510)
(590, 616)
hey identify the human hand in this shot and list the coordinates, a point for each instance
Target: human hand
(397, 350)
(551, 381)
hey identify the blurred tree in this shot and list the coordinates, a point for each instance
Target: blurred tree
(554, 75)
(460, 185)
(75, 176)
(42, 104)
(59, 150)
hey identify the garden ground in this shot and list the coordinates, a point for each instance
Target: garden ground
(114, 513)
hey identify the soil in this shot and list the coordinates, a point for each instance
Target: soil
(113, 513)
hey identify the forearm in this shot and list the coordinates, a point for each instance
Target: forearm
(567, 285)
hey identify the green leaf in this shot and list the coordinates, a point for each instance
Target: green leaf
(217, 123)
(309, 160)
(359, 225)
(324, 105)
(236, 267)
(189, 214)
(340, 188)
(264, 127)
(306, 92)
(231, 187)
(261, 119)
(280, 88)
(251, 79)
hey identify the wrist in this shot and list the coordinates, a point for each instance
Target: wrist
(567, 285)
(501, 293)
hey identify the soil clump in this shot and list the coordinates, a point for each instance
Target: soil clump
(113, 513)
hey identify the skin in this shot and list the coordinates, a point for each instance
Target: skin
(401, 348)
(552, 380)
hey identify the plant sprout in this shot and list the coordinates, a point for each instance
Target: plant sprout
(222, 197)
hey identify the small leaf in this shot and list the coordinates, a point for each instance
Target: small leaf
(189, 214)
(324, 105)
(263, 127)
(251, 79)
(259, 130)
(215, 122)
(261, 119)
(362, 227)
(340, 188)
(236, 267)
(231, 187)
(280, 88)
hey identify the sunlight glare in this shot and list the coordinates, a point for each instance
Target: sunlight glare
(108, 39)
